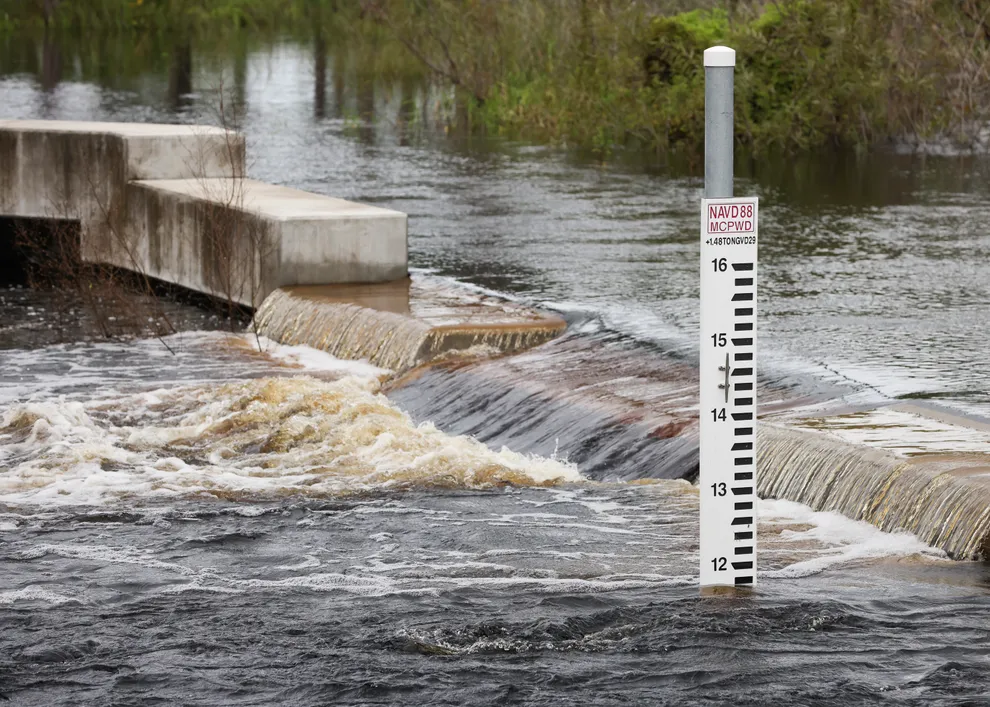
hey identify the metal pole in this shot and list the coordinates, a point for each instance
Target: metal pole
(720, 63)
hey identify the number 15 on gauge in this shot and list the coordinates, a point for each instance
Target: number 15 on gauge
(727, 479)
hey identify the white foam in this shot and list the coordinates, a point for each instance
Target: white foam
(103, 554)
(557, 521)
(309, 562)
(198, 587)
(838, 539)
(572, 585)
(314, 360)
(601, 506)
(251, 511)
(374, 586)
(247, 439)
(34, 593)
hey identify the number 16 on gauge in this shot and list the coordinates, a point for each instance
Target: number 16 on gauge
(727, 478)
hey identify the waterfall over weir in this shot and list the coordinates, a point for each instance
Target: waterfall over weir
(345, 330)
(617, 409)
(621, 410)
(944, 499)
(400, 325)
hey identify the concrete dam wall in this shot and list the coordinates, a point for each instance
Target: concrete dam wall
(173, 202)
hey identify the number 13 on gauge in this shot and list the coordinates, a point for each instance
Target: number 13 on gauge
(727, 479)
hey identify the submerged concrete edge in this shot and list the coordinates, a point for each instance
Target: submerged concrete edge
(399, 341)
(943, 499)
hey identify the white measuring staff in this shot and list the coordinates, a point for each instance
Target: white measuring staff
(727, 478)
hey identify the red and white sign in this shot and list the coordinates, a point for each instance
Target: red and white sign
(730, 216)
(728, 426)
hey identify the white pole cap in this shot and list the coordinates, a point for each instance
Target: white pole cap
(720, 56)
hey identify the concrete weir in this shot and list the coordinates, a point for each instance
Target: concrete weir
(401, 324)
(902, 468)
(173, 202)
(624, 414)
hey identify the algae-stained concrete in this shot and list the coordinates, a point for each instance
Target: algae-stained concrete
(173, 202)
(79, 171)
(150, 150)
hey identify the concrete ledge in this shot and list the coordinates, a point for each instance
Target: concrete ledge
(240, 239)
(80, 170)
(60, 168)
(944, 499)
(172, 202)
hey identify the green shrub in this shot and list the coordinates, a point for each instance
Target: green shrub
(812, 72)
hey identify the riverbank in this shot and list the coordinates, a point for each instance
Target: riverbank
(603, 76)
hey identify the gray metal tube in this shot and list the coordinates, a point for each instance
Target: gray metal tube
(720, 71)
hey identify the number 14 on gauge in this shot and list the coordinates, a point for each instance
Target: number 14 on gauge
(727, 479)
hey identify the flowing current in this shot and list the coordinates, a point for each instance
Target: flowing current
(210, 518)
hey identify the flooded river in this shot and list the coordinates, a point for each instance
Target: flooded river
(190, 520)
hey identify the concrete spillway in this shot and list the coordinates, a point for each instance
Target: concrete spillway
(623, 413)
(173, 202)
(400, 325)
(901, 468)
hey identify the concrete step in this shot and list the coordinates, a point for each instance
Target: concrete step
(76, 170)
(240, 239)
(172, 202)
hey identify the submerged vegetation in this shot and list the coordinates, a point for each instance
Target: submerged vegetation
(603, 74)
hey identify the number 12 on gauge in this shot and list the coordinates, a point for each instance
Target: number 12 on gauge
(727, 478)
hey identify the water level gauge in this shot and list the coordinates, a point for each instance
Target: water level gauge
(728, 392)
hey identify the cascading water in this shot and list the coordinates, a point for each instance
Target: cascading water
(400, 325)
(263, 438)
(603, 401)
(945, 502)
(345, 330)
(622, 411)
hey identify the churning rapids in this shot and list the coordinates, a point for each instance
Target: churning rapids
(175, 533)
(210, 523)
